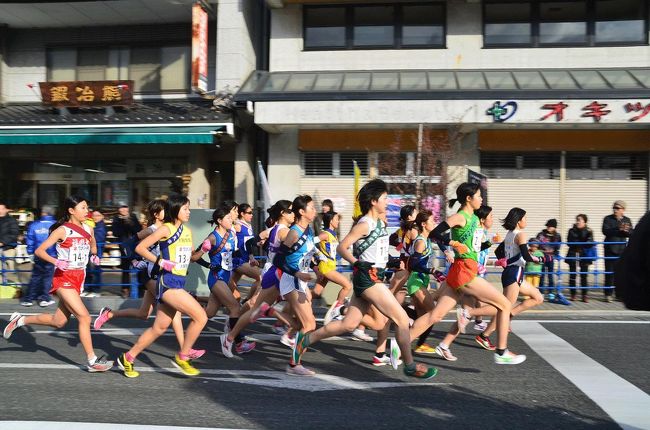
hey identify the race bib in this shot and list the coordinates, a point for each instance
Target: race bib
(78, 255)
(477, 240)
(183, 254)
(226, 260)
(381, 256)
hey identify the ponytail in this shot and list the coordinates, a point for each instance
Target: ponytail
(70, 202)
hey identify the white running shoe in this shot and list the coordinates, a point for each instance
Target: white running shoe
(394, 353)
(383, 360)
(100, 365)
(481, 326)
(509, 358)
(445, 353)
(14, 321)
(226, 345)
(287, 340)
(462, 319)
(359, 334)
(299, 370)
(46, 303)
(26, 303)
(333, 312)
(279, 329)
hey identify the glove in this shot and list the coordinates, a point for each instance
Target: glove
(94, 259)
(167, 265)
(460, 248)
(496, 238)
(61, 265)
(482, 270)
(439, 276)
(501, 262)
(206, 246)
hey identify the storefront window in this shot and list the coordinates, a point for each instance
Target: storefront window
(508, 24)
(563, 22)
(620, 21)
(325, 27)
(373, 26)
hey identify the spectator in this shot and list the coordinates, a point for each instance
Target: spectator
(8, 241)
(91, 288)
(616, 228)
(534, 270)
(549, 238)
(125, 227)
(42, 271)
(579, 233)
(327, 206)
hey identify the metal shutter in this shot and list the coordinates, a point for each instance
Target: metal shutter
(340, 190)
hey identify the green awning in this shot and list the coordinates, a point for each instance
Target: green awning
(110, 135)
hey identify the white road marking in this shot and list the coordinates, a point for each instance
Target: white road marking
(624, 402)
(58, 425)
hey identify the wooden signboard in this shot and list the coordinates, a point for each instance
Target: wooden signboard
(87, 93)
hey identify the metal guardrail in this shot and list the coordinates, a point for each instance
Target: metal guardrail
(134, 284)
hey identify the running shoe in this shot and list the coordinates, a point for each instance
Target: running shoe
(425, 349)
(560, 299)
(195, 354)
(185, 366)
(46, 303)
(245, 346)
(462, 318)
(480, 326)
(445, 353)
(359, 334)
(509, 358)
(394, 353)
(226, 345)
(26, 303)
(421, 371)
(226, 326)
(299, 347)
(299, 370)
(100, 365)
(485, 342)
(14, 323)
(279, 329)
(127, 367)
(383, 360)
(333, 312)
(259, 312)
(287, 340)
(101, 318)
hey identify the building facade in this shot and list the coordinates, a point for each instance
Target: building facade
(548, 99)
(169, 139)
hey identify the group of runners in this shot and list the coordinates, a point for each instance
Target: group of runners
(296, 257)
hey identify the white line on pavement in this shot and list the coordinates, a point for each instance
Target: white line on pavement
(625, 403)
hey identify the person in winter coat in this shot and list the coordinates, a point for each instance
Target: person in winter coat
(575, 255)
(616, 228)
(42, 271)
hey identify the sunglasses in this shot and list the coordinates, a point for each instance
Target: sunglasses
(249, 213)
(617, 208)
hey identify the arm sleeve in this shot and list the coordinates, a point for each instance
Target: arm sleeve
(500, 252)
(202, 262)
(438, 233)
(523, 248)
(393, 239)
(251, 244)
(416, 264)
(486, 245)
(280, 260)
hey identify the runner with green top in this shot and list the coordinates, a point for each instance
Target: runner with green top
(466, 240)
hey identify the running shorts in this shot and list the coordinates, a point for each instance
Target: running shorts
(416, 281)
(289, 283)
(70, 279)
(462, 272)
(168, 281)
(271, 277)
(512, 275)
(221, 275)
(326, 266)
(363, 278)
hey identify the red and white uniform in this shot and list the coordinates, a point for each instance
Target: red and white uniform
(75, 249)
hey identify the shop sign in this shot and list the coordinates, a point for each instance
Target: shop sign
(87, 93)
(155, 168)
(199, 49)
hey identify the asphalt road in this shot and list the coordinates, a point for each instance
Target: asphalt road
(42, 381)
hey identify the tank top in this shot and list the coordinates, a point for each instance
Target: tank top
(471, 235)
(299, 259)
(274, 241)
(177, 248)
(154, 249)
(427, 254)
(75, 248)
(328, 246)
(244, 235)
(513, 254)
(223, 258)
(377, 252)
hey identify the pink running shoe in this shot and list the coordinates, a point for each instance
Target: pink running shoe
(195, 353)
(245, 346)
(101, 318)
(299, 370)
(260, 312)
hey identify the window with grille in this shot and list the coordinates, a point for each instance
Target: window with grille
(606, 166)
(334, 163)
(346, 163)
(534, 165)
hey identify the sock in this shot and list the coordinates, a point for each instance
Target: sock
(232, 321)
(501, 351)
(92, 360)
(380, 354)
(129, 357)
(443, 345)
(423, 337)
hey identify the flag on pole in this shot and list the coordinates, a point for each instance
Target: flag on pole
(266, 191)
(357, 185)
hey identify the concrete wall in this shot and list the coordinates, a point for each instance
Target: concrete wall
(464, 49)
(284, 165)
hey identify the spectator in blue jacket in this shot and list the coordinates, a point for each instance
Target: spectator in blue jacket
(91, 287)
(42, 272)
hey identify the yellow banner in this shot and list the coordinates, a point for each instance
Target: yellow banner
(357, 185)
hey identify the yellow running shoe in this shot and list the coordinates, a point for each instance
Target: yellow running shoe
(185, 366)
(127, 367)
(425, 349)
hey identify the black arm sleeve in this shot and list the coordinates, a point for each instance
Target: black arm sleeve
(393, 239)
(438, 233)
(415, 264)
(202, 262)
(523, 248)
(486, 245)
(500, 252)
(251, 244)
(280, 260)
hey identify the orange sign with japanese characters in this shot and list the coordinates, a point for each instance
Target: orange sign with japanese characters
(87, 93)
